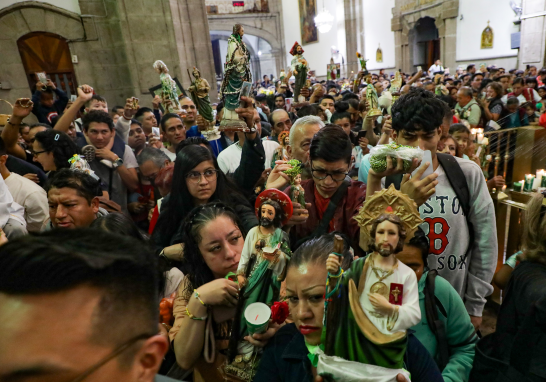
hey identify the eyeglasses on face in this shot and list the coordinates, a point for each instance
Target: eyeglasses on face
(321, 174)
(195, 177)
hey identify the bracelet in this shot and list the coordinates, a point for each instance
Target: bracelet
(336, 276)
(196, 295)
(194, 317)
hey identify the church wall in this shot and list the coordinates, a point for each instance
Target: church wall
(377, 31)
(469, 30)
(317, 54)
(67, 5)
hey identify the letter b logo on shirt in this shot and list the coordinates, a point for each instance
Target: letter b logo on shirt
(434, 236)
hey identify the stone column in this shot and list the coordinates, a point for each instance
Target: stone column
(533, 30)
(354, 26)
(192, 39)
(448, 35)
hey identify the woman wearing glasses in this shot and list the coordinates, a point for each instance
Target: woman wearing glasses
(333, 196)
(52, 149)
(197, 180)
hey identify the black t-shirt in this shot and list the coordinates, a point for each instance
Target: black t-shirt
(22, 168)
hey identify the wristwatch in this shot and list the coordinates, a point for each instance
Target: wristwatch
(118, 162)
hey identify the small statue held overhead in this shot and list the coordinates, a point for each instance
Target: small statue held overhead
(332, 70)
(237, 78)
(297, 194)
(373, 100)
(299, 67)
(199, 93)
(169, 92)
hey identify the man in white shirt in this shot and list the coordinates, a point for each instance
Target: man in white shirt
(437, 67)
(25, 193)
(230, 158)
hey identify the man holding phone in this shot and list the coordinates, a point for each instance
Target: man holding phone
(454, 201)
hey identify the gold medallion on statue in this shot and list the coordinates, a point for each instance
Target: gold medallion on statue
(380, 288)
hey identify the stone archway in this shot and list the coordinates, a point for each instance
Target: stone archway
(267, 28)
(407, 13)
(21, 19)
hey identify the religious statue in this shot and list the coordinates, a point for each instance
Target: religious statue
(331, 73)
(379, 54)
(362, 62)
(261, 270)
(199, 93)
(281, 152)
(380, 291)
(169, 92)
(282, 76)
(300, 68)
(396, 85)
(373, 100)
(297, 194)
(487, 37)
(236, 75)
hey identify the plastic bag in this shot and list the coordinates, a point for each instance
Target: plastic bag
(378, 156)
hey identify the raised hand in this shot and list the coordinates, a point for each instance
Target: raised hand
(85, 93)
(50, 84)
(129, 110)
(332, 264)
(21, 110)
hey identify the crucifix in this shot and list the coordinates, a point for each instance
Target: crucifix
(395, 293)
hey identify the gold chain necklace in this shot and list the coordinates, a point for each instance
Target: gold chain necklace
(380, 287)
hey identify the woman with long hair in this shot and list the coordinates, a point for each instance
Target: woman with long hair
(53, 148)
(197, 180)
(287, 358)
(204, 308)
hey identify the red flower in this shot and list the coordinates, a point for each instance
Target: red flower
(279, 312)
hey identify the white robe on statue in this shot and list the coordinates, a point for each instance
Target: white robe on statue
(409, 313)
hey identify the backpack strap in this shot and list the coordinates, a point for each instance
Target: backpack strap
(457, 179)
(437, 326)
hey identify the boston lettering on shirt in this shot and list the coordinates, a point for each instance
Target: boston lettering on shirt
(447, 231)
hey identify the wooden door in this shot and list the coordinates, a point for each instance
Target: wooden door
(48, 52)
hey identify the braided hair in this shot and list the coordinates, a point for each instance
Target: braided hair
(60, 144)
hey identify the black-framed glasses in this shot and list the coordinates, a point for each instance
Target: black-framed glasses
(337, 176)
(36, 153)
(117, 351)
(195, 177)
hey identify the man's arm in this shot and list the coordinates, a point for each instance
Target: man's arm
(415, 77)
(10, 134)
(36, 210)
(124, 122)
(482, 259)
(85, 92)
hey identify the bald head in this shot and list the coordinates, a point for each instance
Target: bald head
(280, 121)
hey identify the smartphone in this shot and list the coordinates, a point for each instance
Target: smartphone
(42, 77)
(245, 90)
(155, 131)
(419, 68)
(289, 102)
(361, 134)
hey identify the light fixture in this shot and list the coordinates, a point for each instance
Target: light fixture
(259, 53)
(324, 20)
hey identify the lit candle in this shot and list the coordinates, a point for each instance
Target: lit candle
(473, 131)
(504, 188)
(479, 131)
(485, 141)
(529, 179)
(480, 138)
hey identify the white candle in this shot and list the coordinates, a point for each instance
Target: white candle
(473, 131)
(480, 138)
(479, 131)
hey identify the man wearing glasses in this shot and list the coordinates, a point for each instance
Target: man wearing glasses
(79, 306)
(332, 198)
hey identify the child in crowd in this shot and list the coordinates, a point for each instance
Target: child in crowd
(46, 107)
(532, 115)
(461, 134)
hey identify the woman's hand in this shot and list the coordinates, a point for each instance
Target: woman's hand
(332, 264)
(260, 340)
(219, 292)
(381, 304)
(277, 178)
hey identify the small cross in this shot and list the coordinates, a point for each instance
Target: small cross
(395, 293)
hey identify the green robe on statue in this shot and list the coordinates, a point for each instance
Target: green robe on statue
(350, 343)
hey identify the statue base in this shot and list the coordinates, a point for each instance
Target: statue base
(231, 122)
(375, 113)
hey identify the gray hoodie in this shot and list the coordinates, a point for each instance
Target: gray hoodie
(469, 271)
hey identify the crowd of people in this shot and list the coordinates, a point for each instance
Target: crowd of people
(162, 214)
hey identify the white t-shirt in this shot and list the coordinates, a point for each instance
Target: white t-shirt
(32, 197)
(171, 155)
(436, 68)
(230, 158)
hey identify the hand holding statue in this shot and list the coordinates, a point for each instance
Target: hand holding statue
(332, 264)
(241, 280)
(156, 102)
(129, 111)
(50, 84)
